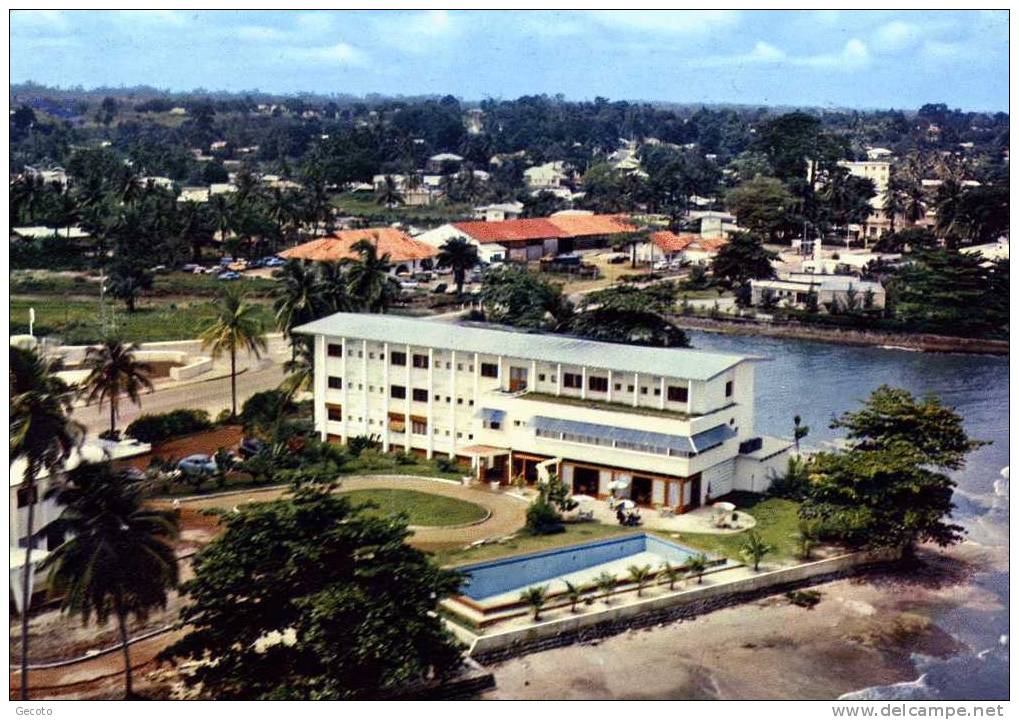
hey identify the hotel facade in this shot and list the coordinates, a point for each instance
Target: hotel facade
(662, 426)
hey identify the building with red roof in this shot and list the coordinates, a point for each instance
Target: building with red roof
(405, 253)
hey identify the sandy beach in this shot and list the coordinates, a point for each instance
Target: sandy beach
(862, 633)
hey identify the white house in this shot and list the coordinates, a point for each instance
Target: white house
(669, 427)
(497, 212)
(546, 176)
(794, 289)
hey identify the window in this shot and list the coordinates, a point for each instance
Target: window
(494, 425)
(420, 361)
(617, 386)
(448, 366)
(460, 366)
(397, 358)
(334, 350)
(335, 413)
(459, 401)
(598, 384)
(629, 388)
(677, 394)
(419, 395)
(371, 356)
(643, 391)
(658, 392)
(572, 380)
(419, 427)
(541, 377)
(26, 496)
(489, 370)
(335, 383)
(728, 389)
(397, 391)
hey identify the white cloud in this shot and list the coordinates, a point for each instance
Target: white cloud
(338, 54)
(854, 55)
(762, 53)
(674, 22)
(259, 33)
(896, 36)
(39, 20)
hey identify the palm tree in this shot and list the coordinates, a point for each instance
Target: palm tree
(672, 573)
(368, 278)
(222, 214)
(894, 200)
(696, 565)
(299, 369)
(916, 204)
(43, 436)
(639, 575)
(117, 561)
(388, 193)
(335, 293)
(299, 298)
(799, 431)
(535, 597)
(606, 583)
(235, 327)
(461, 256)
(113, 371)
(754, 549)
(573, 594)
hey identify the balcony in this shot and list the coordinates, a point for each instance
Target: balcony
(603, 405)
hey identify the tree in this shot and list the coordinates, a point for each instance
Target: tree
(639, 575)
(313, 598)
(43, 436)
(754, 549)
(114, 371)
(606, 584)
(514, 295)
(886, 490)
(763, 205)
(461, 256)
(671, 573)
(368, 278)
(389, 193)
(573, 594)
(299, 299)
(127, 279)
(799, 431)
(235, 327)
(536, 597)
(117, 561)
(628, 314)
(741, 260)
(696, 565)
(908, 240)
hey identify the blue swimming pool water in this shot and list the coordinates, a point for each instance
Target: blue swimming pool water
(499, 576)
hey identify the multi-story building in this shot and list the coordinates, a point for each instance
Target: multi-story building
(665, 427)
(878, 172)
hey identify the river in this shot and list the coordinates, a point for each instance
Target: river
(818, 381)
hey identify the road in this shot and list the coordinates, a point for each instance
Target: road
(212, 395)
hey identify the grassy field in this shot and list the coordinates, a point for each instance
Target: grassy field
(524, 543)
(364, 205)
(777, 523)
(40, 282)
(423, 509)
(78, 321)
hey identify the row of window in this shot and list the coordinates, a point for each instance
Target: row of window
(418, 360)
(417, 427)
(675, 393)
(619, 444)
(399, 392)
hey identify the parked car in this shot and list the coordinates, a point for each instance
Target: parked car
(408, 284)
(192, 268)
(159, 269)
(229, 275)
(225, 261)
(618, 259)
(250, 446)
(197, 464)
(273, 261)
(440, 288)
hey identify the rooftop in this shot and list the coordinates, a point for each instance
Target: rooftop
(557, 226)
(605, 405)
(339, 246)
(566, 349)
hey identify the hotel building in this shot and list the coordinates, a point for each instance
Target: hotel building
(663, 426)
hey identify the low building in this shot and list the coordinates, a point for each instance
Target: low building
(48, 174)
(193, 193)
(443, 163)
(406, 254)
(668, 246)
(793, 290)
(546, 176)
(38, 232)
(498, 212)
(663, 427)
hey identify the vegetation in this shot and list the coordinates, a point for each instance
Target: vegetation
(777, 524)
(696, 565)
(574, 594)
(640, 575)
(741, 260)
(43, 436)
(164, 426)
(275, 596)
(606, 584)
(670, 573)
(117, 561)
(754, 549)
(535, 597)
(113, 372)
(418, 508)
(461, 257)
(236, 327)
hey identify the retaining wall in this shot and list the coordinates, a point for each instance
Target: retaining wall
(689, 603)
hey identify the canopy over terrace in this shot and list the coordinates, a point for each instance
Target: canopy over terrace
(488, 462)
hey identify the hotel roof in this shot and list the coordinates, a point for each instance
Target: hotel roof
(557, 226)
(566, 349)
(397, 244)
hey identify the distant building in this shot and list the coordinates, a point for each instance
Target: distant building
(48, 174)
(178, 111)
(193, 193)
(671, 247)
(794, 289)
(498, 212)
(443, 163)
(879, 153)
(474, 120)
(549, 175)
(989, 251)
(406, 254)
(37, 232)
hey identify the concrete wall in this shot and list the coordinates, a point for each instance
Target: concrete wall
(192, 369)
(689, 603)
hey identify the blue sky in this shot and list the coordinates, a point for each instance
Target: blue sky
(831, 58)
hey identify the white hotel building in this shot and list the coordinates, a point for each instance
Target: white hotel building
(671, 426)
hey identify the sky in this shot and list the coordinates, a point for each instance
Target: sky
(864, 59)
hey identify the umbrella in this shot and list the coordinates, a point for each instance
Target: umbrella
(628, 504)
(619, 484)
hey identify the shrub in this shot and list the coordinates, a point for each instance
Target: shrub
(794, 484)
(446, 464)
(264, 408)
(359, 443)
(543, 518)
(406, 458)
(157, 428)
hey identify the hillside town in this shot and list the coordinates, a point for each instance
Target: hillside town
(318, 396)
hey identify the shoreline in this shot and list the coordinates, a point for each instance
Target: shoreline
(904, 341)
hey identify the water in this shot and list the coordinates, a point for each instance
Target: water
(820, 380)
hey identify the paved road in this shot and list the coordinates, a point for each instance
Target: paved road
(212, 395)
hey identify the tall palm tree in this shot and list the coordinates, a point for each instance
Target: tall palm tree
(235, 327)
(299, 295)
(222, 214)
(299, 369)
(335, 291)
(43, 436)
(388, 193)
(368, 279)
(461, 256)
(893, 203)
(114, 371)
(117, 561)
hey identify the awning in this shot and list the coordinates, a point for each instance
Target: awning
(482, 451)
(490, 415)
(612, 435)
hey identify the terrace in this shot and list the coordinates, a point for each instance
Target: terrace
(610, 406)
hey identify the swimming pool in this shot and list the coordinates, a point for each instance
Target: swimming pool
(579, 564)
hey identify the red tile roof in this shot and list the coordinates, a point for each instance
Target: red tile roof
(670, 242)
(582, 225)
(711, 244)
(510, 230)
(400, 246)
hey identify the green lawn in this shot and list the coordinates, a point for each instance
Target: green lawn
(777, 523)
(36, 282)
(524, 543)
(78, 321)
(423, 509)
(364, 205)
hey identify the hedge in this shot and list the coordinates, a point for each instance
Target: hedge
(157, 428)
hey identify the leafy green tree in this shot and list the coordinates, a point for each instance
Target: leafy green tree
(741, 260)
(313, 598)
(460, 256)
(535, 596)
(513, 295)
(908, 240)
(235, 327)
(543, 518)
(628, 314)
(117, 561)
(640, 575)
(126, 281)
(368, 278)
(754, 549)
(696, 565)
(114, 371)
(800, 431)
(43, 436)
(574, 594)
(763, 205)
(794, 483)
